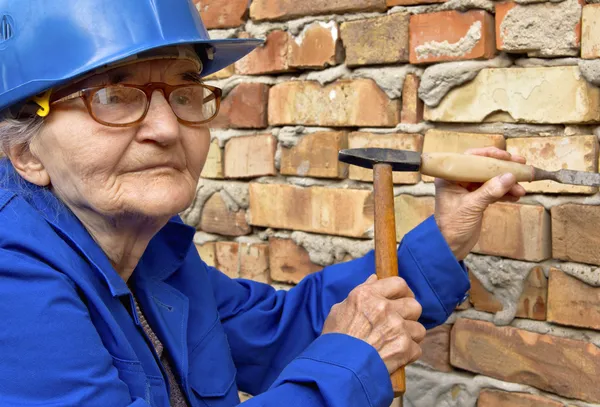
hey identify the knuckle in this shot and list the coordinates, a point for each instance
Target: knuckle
(380, 307)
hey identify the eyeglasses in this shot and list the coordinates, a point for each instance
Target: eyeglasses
(128, 105)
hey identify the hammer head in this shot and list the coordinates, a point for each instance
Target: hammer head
(400, 160)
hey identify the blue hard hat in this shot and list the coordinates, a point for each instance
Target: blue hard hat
(47, 43)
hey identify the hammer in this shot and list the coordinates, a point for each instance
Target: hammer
(449, 166)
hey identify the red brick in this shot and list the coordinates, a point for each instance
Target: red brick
(531, 305)
(316, 155)
(254, 262)
(222, 13)
(393, 3)
(217, 218)
(288, 9)
(272, 57)
(436, 348)
(517, 231)
(227, 258)
(373, 41)
(412, 105)
(249, 106)
(288, 262)
(573, 302)
(451, 36)
(250, 156)
(318, 46)
(563, 366)
(345, 103)
(399, 141)
(495, 398)
(575, 233)
(342, 212)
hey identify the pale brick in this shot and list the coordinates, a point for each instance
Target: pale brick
(288, 9)
(345, 103)
(436, 348)
(410, 211)
(248, 106)
(381, 40)
(394, 3)
(254, 262)
(590, 31)
(272, 57)
(545, 29)
(556, 153)
(207, 252)
(213, 167)
(217, 218)
(224, 73)
(516, 231)
(412, 105)
(442, 141)
(495, 398)
(222, 13)
(289, 262)
(250, 156)
(343, 212)
(318, 46)
(451, 36)
(316, 155)
(531, 304)
(412, 142)
(575, 233)
(563, 366)
(521, 95)
(573, 302)
(228, 258)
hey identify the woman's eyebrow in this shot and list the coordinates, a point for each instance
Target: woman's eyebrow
(191, 76)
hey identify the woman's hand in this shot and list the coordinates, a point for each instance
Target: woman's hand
(459, 207)
(382, 313)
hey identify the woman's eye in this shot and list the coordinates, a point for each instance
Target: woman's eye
(183, 100)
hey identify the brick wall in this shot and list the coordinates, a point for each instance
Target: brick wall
(427, 75)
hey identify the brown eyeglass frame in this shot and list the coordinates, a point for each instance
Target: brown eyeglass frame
(88, 93)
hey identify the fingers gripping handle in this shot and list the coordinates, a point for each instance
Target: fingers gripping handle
(471, 168)
(386, 260)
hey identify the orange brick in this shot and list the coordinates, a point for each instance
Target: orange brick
(562, 366)
(436, 348)
(555, 153)
(393, 3)
(520, 232)
(495, 398)
(412, 106)
(575, 233)
(342, 212)
(272, 57)
(248, 106)
(213, 167)
(318, 46)
(287, 9)
(316, 155)
(222, 13)
(381, 40)
(288, 262)
(410, 211)
(254, 262)
(532, 28)
(345, 103)
(217, 218)
(412, 142)
(250, 156)
(207, 252)
(573, 302)
(532, 303)
(442, 141)
(227, 258)
(451, 36)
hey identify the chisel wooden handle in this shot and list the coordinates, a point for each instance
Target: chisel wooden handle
(471, 168)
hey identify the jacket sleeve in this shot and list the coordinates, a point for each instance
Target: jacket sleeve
(51, 354)
(273, 334)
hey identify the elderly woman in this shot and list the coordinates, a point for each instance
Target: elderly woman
(105, 301)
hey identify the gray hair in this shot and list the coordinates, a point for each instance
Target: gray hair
(18, 132)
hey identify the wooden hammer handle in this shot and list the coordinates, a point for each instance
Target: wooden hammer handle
(471, 168)
(386, 260)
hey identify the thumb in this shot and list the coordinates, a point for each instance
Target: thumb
(492, 191)
(372, 278)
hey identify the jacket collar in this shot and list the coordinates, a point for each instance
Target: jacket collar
(163, 256)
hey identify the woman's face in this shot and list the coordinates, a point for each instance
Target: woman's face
(149, 170)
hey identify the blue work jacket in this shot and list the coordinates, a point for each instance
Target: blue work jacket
(68, 336)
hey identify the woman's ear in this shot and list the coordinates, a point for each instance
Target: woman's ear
(28, 165)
